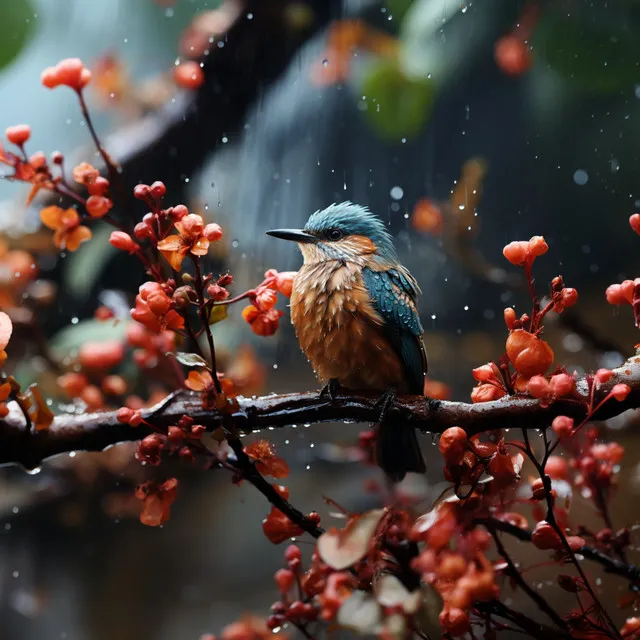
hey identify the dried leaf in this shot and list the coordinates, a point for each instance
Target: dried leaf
(360, 612)
(188, 359)
(390, 592)
(343, 548)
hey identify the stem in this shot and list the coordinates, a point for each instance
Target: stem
(112, 169)
(252, 475)
(610, 565)
(205, 322)
(517, 577)
(242, 296)
(551, 519)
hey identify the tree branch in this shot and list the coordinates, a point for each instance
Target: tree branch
(611, 565)
(96, 431)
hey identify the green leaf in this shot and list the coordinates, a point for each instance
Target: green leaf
(398, 107)
(398, 8)
(188, 359)
(218, 313)
(16, 25)
(71, 338)
(83, 268)
(591, 56)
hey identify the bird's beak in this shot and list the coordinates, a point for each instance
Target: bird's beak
(297, 235)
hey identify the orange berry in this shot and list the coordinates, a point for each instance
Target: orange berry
(620, 391)
(427, 217)
(284, 282)
(557, 468)
(529, 354)
(92, 396)
(188, 75)
(18, 134)
(114, 385)
(563, 426)
(453, 443)
(123, 241)
(512, 55)
(517, 253)
(101, 355)
(98, 206)
(544, 536)
(486, 393)
(562, 384)
(614, 294)
(72, 383)
(213, 232)
(72, 73)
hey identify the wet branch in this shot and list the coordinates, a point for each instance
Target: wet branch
(96, 431)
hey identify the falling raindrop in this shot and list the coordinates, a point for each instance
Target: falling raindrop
(581, 177)
(396, 193)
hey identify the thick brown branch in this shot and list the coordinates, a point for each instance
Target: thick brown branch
(96, 431)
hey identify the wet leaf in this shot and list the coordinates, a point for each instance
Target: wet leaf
(188, 359)
(342, 548)
(589, 55)
(218, 313)
(16, 24)
(398, 106)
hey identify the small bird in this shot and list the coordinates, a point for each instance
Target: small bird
(353, 306)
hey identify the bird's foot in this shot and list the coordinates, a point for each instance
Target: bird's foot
(330, 390)
(385, 402)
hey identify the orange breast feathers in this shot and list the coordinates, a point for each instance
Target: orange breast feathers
(340, 331)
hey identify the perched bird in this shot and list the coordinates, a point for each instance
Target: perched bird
(353, 306)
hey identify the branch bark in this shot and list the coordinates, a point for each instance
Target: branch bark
(96, 431)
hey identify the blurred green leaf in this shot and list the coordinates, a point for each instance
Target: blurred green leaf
(16, 23)
(71, 338)
(590, 56)
(83, 267)
(188, 359)
(218, 313)
(397, 106)
(398, 8)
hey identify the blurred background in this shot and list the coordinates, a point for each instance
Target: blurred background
(463, 125)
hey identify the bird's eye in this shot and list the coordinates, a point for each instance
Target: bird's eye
(334, 234)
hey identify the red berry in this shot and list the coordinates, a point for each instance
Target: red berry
(292, 553)
(123, 241)
(18, 134)
(634, 221)
(284, 579)
(188, 75)
(142, 191)
(512, 55)
(158, 190)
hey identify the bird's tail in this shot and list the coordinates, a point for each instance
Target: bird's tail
(398, 451)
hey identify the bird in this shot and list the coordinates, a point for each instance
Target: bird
(354, 311)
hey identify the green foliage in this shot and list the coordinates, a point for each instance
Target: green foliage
(398, 8)
(397, 106)
(16, 24)
(587, 54)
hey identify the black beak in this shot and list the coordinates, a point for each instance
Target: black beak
(297, 235)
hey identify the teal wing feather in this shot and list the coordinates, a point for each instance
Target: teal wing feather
(394, 295)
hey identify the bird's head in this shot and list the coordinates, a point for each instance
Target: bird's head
(344, 231)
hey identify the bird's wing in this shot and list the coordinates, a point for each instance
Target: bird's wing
(393, 294)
